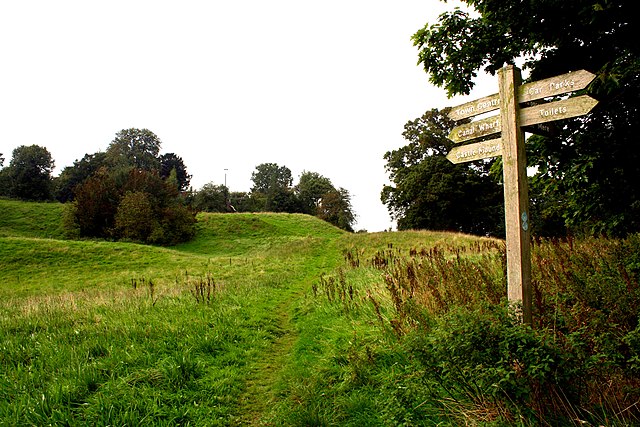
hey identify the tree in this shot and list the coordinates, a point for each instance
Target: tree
(72, 176)
(272, 183)
(172, 163)
(310, 189)
(211, 198)
(28, 175)
(134, 219)
(242, 201)
(270, 176)
(4, 179)
(430, 192)
(95, 205)
(595, 183)
(135, 148)
(335, 208)
(143, 207)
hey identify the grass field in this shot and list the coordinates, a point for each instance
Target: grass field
(103, 333)
(279, 319)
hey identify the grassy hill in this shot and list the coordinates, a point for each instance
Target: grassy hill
(30, 219)
(282, 319)
(113, 333)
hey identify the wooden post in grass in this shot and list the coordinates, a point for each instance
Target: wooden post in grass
(516, 193)
(509, 123)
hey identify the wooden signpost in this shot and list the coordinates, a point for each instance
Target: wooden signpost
(510, 124)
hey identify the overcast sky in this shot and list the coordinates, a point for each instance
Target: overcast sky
(319, 86)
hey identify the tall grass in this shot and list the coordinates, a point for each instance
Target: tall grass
(456, 354)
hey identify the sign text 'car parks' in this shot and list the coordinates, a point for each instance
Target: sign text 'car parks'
(510, 123)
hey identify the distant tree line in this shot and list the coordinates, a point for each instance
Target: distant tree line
(273, 191)
(131, 191)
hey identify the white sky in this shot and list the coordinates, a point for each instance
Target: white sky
(314, 86)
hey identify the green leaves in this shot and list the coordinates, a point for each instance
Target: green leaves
(589, 168)
(429, 192)
(137, 148)
(28, 176)
(139, 206)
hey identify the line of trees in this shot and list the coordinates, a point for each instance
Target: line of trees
(131, 191)
(273, 191)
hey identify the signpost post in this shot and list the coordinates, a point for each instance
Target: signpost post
(509, 123)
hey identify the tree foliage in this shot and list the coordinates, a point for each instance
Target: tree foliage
(135, 148)
(429, 192)
(143, 207)
(335, 208)
(71, 176)
(272, 185)
(211, 198)
(128, 192)
(95, 205)
(310, 190)
(131, 149)
(593, 183)
(134, 219)
(28, 176)
(270, 176)
(172, 163)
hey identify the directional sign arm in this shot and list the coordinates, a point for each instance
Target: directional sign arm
(540, 89)
(474, 108)
(476, 151)
(553, 86)
(542, 113)
(475, 129)
(558, 110)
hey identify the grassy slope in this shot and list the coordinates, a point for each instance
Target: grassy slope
(97, 350)
(35, 264)
(83, 346)
(30, 219)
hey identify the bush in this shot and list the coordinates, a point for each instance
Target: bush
(137, 206)
(134, 218)
(486, 360)
(95, 205)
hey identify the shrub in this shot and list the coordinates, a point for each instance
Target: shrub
(138, 206)
(95, 205)
(134, 218)
(486, 360)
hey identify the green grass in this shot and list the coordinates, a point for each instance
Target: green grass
(31, 219)
(81, 345)
(282, 319)
(244, 233)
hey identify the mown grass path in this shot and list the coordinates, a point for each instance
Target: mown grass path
(288, 254)
(264, 386)
(265, 371)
